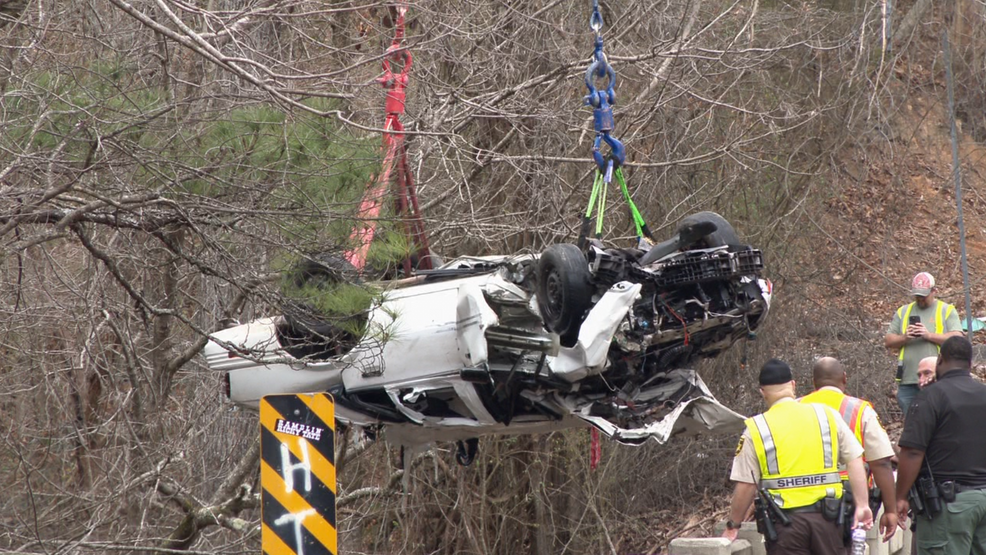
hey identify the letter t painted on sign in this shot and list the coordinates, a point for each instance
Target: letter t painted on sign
(298, 518)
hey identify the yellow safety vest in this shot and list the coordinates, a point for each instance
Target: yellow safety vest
(850, 408)
(798, 449)
(942, 311)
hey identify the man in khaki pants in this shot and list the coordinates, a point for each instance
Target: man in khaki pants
(829, 379)
(793, 451)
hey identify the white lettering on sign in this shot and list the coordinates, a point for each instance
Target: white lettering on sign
(298, 518)
(288, 469)
(311, 433)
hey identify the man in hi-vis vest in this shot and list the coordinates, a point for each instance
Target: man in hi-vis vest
(830, 379)
(793, 451)
(917, 330)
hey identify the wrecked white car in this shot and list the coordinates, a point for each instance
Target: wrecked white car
(522, 344)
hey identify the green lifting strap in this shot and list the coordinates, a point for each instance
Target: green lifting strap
(597, 202)
(638, 220)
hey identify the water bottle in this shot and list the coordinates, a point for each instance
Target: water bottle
(858, 542)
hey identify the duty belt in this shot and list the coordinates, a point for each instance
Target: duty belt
(815, 507)
(959, 488)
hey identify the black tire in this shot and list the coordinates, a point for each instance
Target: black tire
(395, 269)
(724, 235)
(564, 291)
(307, 334)
(466, 451)
(325, 269)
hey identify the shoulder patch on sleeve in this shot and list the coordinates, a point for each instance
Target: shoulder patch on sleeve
(876, 415)
(739, 447)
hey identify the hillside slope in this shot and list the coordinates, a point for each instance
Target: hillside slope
(885, 209)
(888, 211)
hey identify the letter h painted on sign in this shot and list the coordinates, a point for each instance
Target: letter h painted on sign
(288, 469)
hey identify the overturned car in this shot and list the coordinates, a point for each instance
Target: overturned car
(522, 344)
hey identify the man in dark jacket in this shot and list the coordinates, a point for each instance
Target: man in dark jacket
(943, 440)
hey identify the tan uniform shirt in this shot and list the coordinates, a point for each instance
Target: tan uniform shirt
(876, 442)
(746, 467)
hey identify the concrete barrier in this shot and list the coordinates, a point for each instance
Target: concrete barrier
(900, 544)
(749, 538)
(708, 546)
(748, 532)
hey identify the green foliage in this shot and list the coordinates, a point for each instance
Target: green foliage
(390, 246)
(256, 155)
(341, 299)
(305, 162)
(345, 305)
(307, 171)
(331, 288)
(327, 286)
(55, 104)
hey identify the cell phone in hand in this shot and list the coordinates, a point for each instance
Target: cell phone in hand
(913, 320)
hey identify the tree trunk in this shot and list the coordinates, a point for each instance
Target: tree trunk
(910, 21)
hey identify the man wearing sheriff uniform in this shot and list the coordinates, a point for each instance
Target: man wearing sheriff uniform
(829, 378)
(793, 451)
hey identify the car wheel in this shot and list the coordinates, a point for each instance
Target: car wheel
(564, 291)
(305, 333)
(324, 269)
(723, 235)
(466, 451)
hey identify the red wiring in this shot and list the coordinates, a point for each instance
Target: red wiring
(684, 326)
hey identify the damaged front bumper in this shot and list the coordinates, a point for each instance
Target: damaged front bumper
(682, 405)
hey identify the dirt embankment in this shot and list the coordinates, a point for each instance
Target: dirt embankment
(894, 205)
(888, 211)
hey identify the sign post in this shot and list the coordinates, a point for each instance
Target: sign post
(297, 475)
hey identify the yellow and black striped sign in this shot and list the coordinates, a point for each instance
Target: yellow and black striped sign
(298, 474)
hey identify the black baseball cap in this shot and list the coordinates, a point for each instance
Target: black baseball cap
(775, 371)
